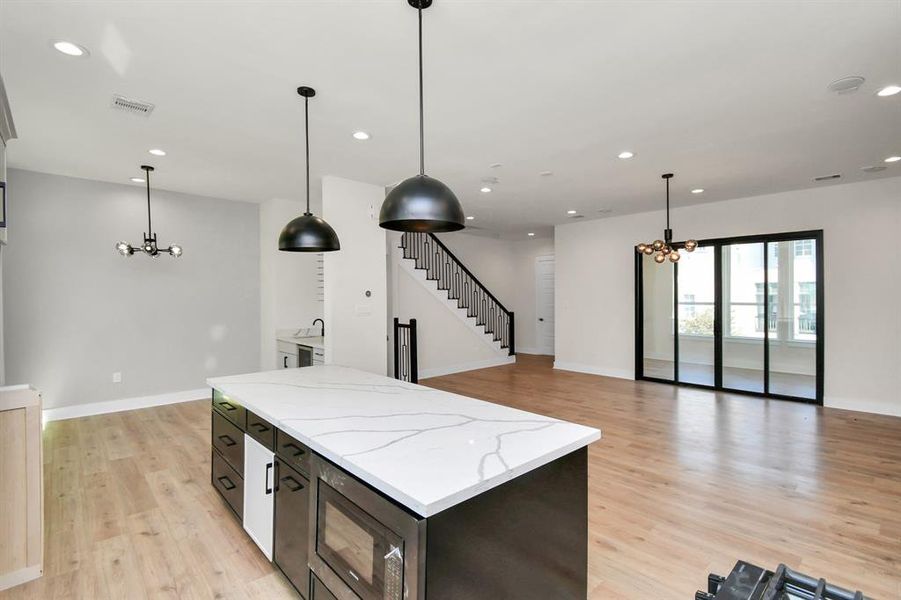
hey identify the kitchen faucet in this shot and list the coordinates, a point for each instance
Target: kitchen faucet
(323, 325)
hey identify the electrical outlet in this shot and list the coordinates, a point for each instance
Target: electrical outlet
(117, 377)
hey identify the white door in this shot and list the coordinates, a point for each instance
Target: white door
(544, 304)
(258, 496)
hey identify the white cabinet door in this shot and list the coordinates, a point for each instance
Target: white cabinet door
(259, 480)
(287, 361)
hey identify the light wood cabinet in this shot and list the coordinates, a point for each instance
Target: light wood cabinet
(21, 488)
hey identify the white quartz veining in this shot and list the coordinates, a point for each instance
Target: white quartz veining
(425, 448)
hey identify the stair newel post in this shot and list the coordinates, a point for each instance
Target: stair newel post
(396, 349)
(414, 363)
(512, 334)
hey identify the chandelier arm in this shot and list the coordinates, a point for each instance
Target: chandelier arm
(421, 102)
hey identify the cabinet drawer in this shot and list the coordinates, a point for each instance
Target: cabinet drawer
(261, 430)
(229, 441)
(292, 452)
(318, 591)
(233, 411)
(228, 483)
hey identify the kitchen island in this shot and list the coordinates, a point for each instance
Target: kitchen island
(408, 492)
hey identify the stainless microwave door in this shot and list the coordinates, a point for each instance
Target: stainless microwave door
(362, 545)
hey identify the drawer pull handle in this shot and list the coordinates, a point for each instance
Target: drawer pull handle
(260, 427)
(227, 440)
(300, 451)
(292, 483)
(226, 483)
(227, 405)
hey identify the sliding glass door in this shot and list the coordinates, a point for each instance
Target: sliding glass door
(740, 314)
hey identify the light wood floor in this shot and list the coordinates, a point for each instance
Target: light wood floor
(684, 482)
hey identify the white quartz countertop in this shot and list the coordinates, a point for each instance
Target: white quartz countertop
(313, 342)
(425, 448)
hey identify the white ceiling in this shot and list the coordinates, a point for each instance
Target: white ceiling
(728, 95)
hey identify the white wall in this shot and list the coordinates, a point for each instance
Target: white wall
(289, 294)
(595, 282)
(76, 311)
(355, 325)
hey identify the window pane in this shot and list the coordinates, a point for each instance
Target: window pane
(793, 346)
(743, 316)
(696, 309)
(657, 291)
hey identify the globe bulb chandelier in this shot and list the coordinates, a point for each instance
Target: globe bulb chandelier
(421, 203)
(149, 245)
(664, 249)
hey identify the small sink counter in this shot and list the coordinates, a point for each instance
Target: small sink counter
(313, 342)
(426, 449)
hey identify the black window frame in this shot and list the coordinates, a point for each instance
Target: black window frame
(717, 244)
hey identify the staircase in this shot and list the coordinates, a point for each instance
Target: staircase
(440, 265)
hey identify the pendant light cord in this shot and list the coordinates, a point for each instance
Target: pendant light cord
(149, 226)
(421, 127)
(667, 203)
(306, 125)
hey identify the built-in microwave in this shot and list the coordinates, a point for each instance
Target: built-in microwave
(362, 544)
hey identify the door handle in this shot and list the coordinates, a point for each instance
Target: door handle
(227, 440)
(268, 470)
(226, 482)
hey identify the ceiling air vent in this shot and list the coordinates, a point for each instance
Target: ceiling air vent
(135, 107)
(828, 177)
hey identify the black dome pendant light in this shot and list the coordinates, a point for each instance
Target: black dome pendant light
(308, 233)
(421, 203)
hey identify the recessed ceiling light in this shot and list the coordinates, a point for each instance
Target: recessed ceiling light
(530, 234)
(846, 85)
(697, 191)
(470, 218)
(137, 179)
(361, 135)
(70, 48)
(626, 154)
(889, 90)
(485, 189)
(570, 212)
(157, 152)
(893, 159)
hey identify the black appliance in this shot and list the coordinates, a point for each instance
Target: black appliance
(750, 582)
(361, 544)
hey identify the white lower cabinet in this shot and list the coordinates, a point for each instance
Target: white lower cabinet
(259, 481)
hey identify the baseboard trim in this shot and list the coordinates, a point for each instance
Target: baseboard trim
(482, 364)
(533, 351)
(21, 576)
(863, 405)
(593, 370)
(110, 406)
